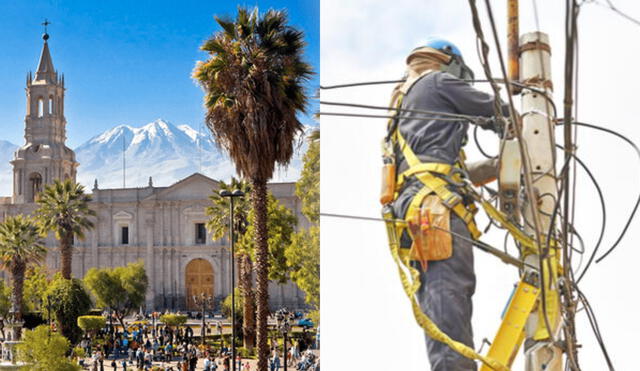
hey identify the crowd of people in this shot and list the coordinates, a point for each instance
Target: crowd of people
(144, 347)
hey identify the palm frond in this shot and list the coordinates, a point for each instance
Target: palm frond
(227, 25)
(20, 242)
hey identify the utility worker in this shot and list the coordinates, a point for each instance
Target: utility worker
(426, 190)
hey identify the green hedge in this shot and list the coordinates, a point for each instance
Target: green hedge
(91, 323)
(173, 319)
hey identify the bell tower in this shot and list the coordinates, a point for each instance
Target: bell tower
(44, 156)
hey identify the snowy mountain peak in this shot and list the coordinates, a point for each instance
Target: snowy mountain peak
(158, 127)
(192, 133)
(111, 135)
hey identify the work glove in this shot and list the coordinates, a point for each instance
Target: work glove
(492, 123)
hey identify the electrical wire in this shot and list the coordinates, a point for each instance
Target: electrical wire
(533, 89)
(344, 114)
(637, 204)
(580, 251)
(478, 145)
(593, 321)
(364, 83)
(506, 258)
(574, 181)
(603, 208)
(458, 116)
(611, 6)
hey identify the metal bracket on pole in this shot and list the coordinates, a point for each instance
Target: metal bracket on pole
(509, 175)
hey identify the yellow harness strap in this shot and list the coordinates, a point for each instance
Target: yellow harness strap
(425, 173)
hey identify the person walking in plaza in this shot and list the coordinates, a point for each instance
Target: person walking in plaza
(275, 361)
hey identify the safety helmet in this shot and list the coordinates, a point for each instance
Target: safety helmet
(456, 65)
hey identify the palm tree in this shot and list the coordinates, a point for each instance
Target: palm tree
(218, 224)
(253, 82)
(20, 246)
(64, 209)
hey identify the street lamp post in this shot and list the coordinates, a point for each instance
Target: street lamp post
(232, 195)
(283, 322)
(203, 301)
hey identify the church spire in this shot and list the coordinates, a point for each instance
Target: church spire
(45, 71)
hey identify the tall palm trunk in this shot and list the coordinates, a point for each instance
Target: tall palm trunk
(17, 277)
(66, 254)
(259, 201)
(249, 310)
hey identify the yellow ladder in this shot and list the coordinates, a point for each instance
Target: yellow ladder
(511, 332)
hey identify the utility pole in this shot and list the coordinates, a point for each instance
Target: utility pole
(543, 326)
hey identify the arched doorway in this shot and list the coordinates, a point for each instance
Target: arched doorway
(198, 280)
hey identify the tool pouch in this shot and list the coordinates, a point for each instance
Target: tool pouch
(429, 229)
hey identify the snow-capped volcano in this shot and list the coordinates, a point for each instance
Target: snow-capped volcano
(161, 150)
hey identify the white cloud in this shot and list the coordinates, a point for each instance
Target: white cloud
(364, 312)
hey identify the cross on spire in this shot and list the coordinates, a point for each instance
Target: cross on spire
(45, 24)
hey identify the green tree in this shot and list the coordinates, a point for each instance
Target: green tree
(218, 224)
(226, 305)
(45, 350)
(120, 289)
(20, 246)
(239, 303)
(5, 303)
(35, 285)
(5, 299)
(253, 82)
(63, 208)
(281, 224)
(308, 186)
(218, 211)
(303, 254)
(68, 300)
(91, 324)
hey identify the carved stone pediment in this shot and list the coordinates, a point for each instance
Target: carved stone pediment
(195, 210)
(122, 215)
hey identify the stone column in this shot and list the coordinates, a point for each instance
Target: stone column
(95, 233)
(150, 265)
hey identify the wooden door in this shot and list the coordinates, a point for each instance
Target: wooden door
(198, 280)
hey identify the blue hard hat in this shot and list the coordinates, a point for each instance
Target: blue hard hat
(456, 65)
(444, 46)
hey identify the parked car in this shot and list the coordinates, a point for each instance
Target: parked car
(306, 323)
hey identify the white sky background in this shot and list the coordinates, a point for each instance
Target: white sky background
(367, 322)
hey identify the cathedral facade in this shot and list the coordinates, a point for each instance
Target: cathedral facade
(162, 226)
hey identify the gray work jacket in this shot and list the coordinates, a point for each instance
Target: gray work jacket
(435, 140)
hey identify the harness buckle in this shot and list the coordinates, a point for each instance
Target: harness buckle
(452, 200)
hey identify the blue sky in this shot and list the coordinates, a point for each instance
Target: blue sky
(125, 62)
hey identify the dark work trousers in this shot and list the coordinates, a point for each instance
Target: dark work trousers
(445, 296)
